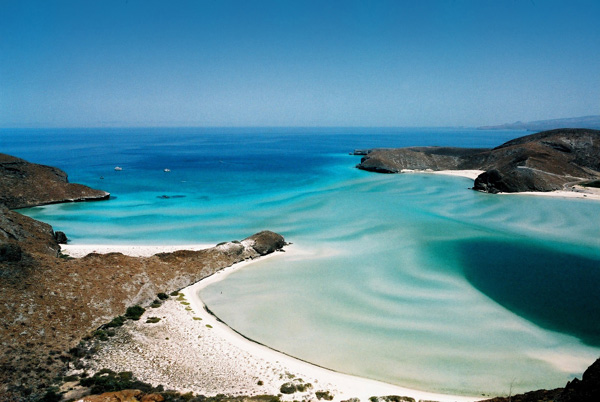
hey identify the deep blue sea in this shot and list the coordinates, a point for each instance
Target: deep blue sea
(411, 279)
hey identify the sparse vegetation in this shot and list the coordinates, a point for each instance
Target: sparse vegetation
(593, 183)
(391, 398)
(287, 388)
(208, 326)
(116, 322)
(152, 320)
(156, 303)
(65, 256)
(296, 386)
(326, 395)
(134, 312)
(197, 318)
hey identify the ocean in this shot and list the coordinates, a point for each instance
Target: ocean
(411, 279)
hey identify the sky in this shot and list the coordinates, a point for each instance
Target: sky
(296, 63)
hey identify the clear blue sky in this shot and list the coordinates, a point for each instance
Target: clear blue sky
(296, 63)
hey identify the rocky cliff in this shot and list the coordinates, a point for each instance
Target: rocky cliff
(546, 161)
(24, 184)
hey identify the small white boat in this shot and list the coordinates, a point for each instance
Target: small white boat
(118, 168)
(167, 170)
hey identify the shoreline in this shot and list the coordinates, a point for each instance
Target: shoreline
(578, 192)
(200, 336)
(81, 250)
(343, 386)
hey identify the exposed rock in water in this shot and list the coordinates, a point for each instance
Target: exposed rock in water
(24, 184)
(61, 237)
(546, 161)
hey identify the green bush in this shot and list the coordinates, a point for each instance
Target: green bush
(152, 320)
(116, 322)
(162, 296)
(134, 312)
(324, 395)
(174, 293)
(108, 381)
(287, 388)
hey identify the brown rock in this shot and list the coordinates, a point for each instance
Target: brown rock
(152, 398)
(127, 395)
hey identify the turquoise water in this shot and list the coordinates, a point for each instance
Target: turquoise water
(410, 279)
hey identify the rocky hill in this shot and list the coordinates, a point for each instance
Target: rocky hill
(546, 161)
(26, 184)
(49, 302)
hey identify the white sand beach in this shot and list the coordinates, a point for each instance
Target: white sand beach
(81, 250)
(191, 350)
(574, 191)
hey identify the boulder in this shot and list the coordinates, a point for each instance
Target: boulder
(266, 242)
(60, 237)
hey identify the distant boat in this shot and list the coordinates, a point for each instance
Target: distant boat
(167, 170)
(118, 168)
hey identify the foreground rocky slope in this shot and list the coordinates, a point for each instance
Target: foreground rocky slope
(49, 302)
(25, 184)
(546, 161)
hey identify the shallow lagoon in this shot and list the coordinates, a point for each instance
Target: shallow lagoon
(411, 279)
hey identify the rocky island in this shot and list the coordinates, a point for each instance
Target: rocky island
(542, 162)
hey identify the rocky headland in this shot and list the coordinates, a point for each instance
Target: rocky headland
(49, 301)
(30, 185)
(542, 162)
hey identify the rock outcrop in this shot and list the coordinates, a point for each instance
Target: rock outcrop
(24, 184)
(585, 390)
(546, 161)
(127, 395)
